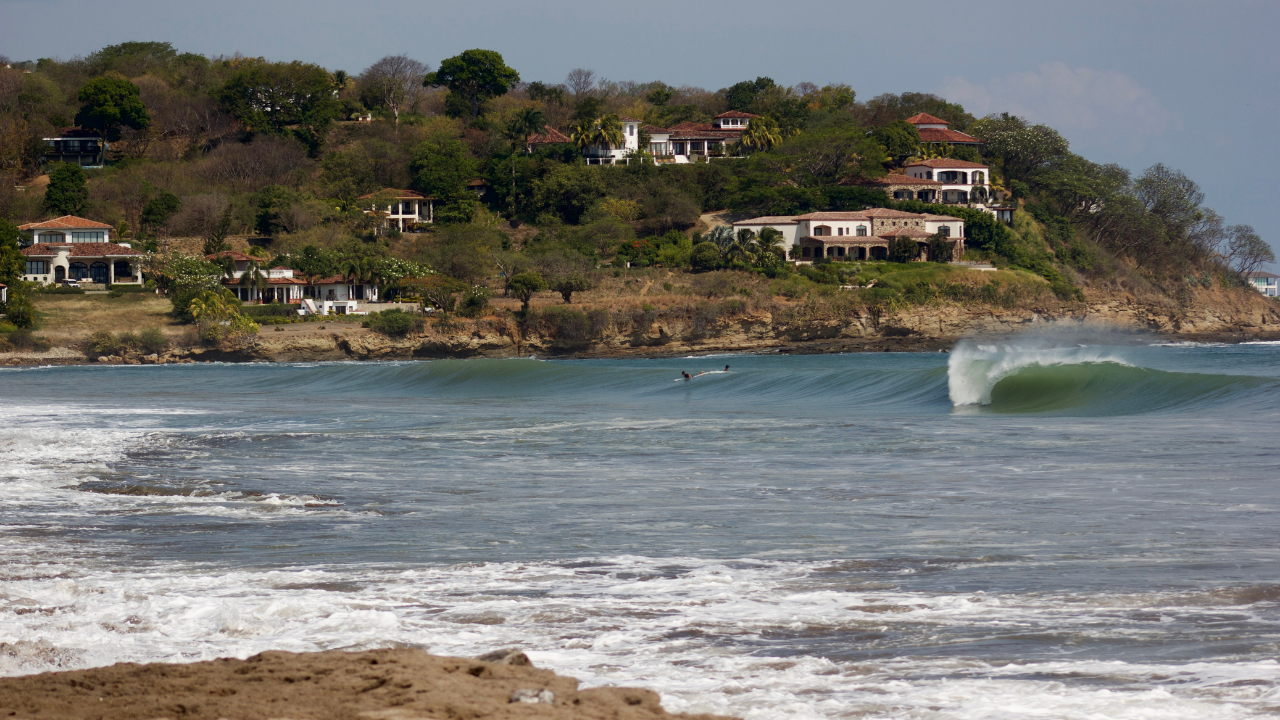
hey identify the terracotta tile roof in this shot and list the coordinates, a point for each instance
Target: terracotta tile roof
(735, 114)
(887, 214)
(926, 119)
(936, 135)
(845, 215)
(770, 220)
(905, 232)
(948, 164)
(654, 129)
(399, 194)
(552, 136)
(66, 222)
(701, 131)
(478, 182)
(331, 280)
(281, 267)
(80, 250)
(940, 218)
(902, 180)
(270, 281)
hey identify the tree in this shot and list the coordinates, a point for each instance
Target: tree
(282, 99)
(570, 284)
(254, 277)
(158, 210)
(542, 92)
(603, 132)
(762, 133)
(706, 256)
(109, 103)
(394, 82)
(216, 241)
(903, 250)
(475, 76)
(580, 82)
(742, 96)
(525, 122)
(524, 286)
(12, 262)
(900, 138)
(272, 201)
(941, 249)
(441, 167)
(1024, 148)
(67, 192)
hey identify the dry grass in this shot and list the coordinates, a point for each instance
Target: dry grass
(71, 318)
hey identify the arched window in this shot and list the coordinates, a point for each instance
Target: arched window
(977, 178)
(78, 271)
(98, 272)
(945, 231)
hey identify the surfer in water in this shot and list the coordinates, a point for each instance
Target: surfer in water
(686, 375)
(726, 368)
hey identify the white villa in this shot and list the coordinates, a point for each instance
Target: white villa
(1265, 282)
(336, 294)
(956, 179)
(861, 235)
(610, 155)
(73, 248)
(408, 208)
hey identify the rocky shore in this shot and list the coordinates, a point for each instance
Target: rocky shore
(1213, 317)
(332, 685)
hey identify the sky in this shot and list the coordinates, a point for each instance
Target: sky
(1194, 85)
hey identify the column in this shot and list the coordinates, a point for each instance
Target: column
(111, 271)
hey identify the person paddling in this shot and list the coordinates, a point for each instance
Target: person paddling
(726, 368)
(686, 375)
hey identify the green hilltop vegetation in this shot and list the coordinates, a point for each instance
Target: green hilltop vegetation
(224, 148)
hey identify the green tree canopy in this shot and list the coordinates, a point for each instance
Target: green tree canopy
(474, 77)
(109, 103)
(442, 165)
(281, 99)
(12, 263)
(67, 192)
(525, 285)
(899, 138)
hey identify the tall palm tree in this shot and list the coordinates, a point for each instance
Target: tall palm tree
(721, 235)
(762, 134)
(603, 132)
(254, 278)
(525, 122)
(743, 247)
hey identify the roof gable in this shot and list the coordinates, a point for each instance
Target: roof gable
(66, 222)
(947, 163)
(926, 119)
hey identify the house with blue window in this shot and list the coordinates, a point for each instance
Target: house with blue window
(1265, 282)
(77, 146)
(74, 248)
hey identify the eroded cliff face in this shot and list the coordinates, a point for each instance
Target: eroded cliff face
(1210, 315)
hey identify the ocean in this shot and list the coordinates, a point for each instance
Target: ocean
(1054, 526)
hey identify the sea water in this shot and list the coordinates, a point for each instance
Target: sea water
(1039, 528)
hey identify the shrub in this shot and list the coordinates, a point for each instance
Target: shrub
(394, 323)
(525, 285)
(101, 343)
(903, 250)
(474, 302)
(184, 296)
(59, 290)
(19, 311)
(152, 340)
(22, 340)
(705, 257)
(570, 284)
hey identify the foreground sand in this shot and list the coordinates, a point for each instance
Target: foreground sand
(371, 685)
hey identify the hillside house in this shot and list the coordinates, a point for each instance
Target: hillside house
(285, 285)
(958, 180)
(859, 235)
(407, 209)
(1265, 282)
(77, 146)
(935, 131)
(100, 263)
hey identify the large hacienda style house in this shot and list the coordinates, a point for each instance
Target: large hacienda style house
(861, 235)
(285, 285)
(73, 248)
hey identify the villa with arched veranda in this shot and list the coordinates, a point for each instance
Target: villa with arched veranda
(75, 248)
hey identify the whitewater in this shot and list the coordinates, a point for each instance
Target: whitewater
(1052, 526)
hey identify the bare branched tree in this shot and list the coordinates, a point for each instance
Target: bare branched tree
(394, 82)
(581, 82)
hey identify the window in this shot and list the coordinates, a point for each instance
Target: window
(631, 129)
(78, 271)
(35, 267)
(805, 252)
(944, 231)
(928, 175)
(839, 231)
(51, 238)
(862, 231)
(91, 236)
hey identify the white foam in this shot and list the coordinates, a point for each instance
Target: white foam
(689, 628)
(974, 369)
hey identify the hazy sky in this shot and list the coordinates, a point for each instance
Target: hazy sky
(1191, 84)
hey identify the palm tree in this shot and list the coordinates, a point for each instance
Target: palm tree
(770, 240)
(721, 235)
(254, 278)
(525, 122)
(603, 132)
(743, 247)
(762, 134)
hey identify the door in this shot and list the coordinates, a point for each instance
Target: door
(59, 274)
(98, 272)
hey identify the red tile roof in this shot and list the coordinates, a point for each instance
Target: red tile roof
(68, 222)
(926, 119)
(885, 213)
(770, 220)
(735, 114)
(80, 250)
(478, 182)
(552, 136)
(701, 131)
(902, 180)
(399, 194)
(838, 215)
(331, 280)
(947, 136)
(948, 164)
